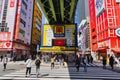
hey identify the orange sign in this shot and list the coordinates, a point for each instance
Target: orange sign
(59, 31)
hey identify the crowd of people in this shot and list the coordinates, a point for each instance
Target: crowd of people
(79, 61)
(83, 61)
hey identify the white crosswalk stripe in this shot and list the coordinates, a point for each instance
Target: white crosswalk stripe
(93, 73)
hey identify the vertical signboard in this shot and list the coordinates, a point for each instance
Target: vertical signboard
(18, 18)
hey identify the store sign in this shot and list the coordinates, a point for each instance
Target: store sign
(103, 44)
(118, 32)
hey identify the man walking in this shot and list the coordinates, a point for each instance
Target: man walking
(5, 60)
(1, 58)
(104, 62)
(111, 62)
(77, 64)
(85, 63)
(37, 63)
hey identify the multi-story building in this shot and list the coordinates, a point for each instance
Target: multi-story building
(82, 11)
(82, 20)
(104, 25)
(93, 31)
(15, 26)
(36, 29)
(84, 37)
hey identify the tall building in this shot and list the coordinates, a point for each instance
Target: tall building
(82, 20)
(82, 11)
(15, 26)
(105, 24)
(93, 30)
(36, 28)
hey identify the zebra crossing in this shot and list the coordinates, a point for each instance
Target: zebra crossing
(93, 73)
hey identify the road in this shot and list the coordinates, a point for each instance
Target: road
(93, 73)
(11, 67)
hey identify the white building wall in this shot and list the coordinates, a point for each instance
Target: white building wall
(26, 16)
(10, 18)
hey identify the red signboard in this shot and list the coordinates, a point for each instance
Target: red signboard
(5, 36)
(5, 45)
(12, 3)
(58, 42)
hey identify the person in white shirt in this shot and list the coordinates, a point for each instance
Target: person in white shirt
(5, 60)
(28, 66)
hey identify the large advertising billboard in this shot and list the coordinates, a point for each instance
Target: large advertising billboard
(58, 37)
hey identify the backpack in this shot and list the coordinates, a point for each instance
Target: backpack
(37, 62)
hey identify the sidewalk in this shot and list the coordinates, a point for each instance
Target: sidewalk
(116, 67)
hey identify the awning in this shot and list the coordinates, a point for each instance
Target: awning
(5, 49)
(116, 50)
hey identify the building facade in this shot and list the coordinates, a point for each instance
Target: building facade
(104, 25)
(84, 37)
(36, 28)
(15, 26)
(82, 20)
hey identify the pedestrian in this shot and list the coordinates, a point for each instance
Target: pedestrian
(1, 57)
(5, 60)
(77, 64)
(62, 62)
(37, 63)
(52, 62)
(88, 59)
(28, 66)
(85, 63)
(111, 62)
(104, 62)
(91, 59)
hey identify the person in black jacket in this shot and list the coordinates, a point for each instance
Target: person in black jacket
(104, 62)
(77, 63)
(37, 63)
(111, 62)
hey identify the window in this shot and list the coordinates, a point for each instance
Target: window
(23, 22)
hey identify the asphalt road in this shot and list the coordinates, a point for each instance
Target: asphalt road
(11, 67)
